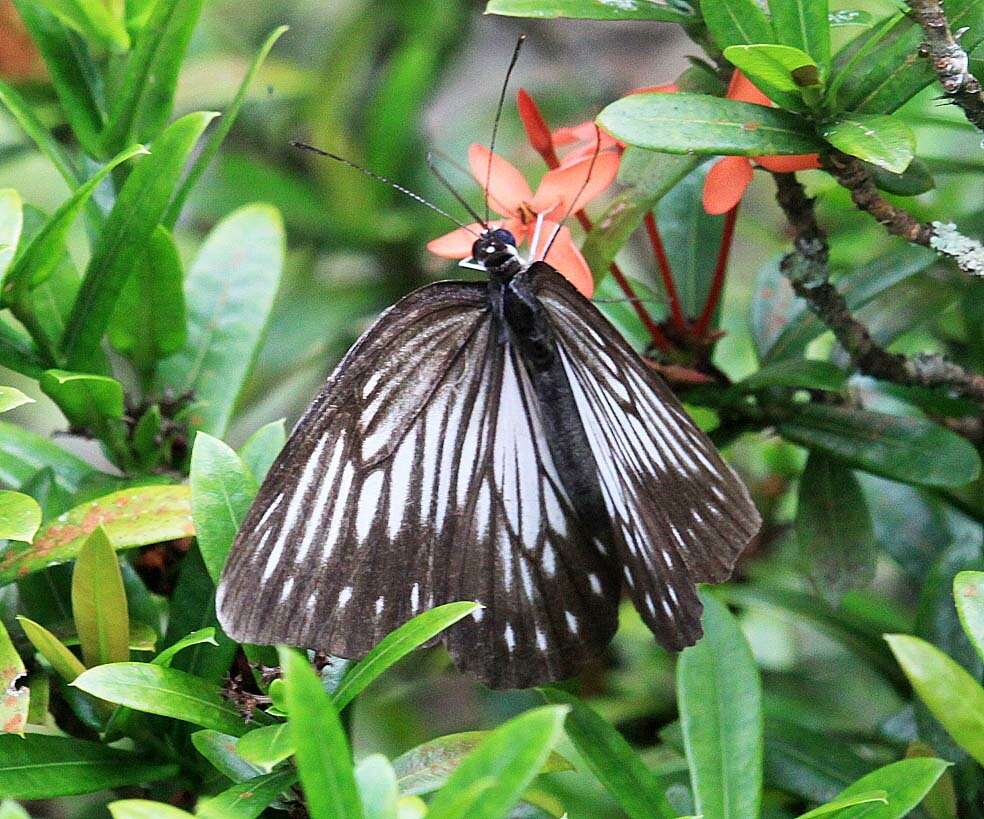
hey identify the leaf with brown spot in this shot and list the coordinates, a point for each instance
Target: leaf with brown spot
(13, 700)
(131, 517)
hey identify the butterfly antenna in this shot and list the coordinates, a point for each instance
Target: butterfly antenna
(584, 184)
(304, 146)
(444, 181)
(498, 115)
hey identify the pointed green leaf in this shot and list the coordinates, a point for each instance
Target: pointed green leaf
(23, 453)
(65, 664)
(45, 767)
(509, 758)
(396, 645)
(144, 809)
(324, 761)
(719, 694)
(662, 10)
(376, 781)
(39, 134)
(92, 19)
(266, 746)
(11, 398)
(968, 592)
(131, 517)
(736, 22)
(953, 696)
(248, 799)
(905, 783)
(88, 401)
(907, 449)
(99, 602)
(149, 322)
(222, 490)
(611, 759)
(220, 750)
(805, 24)
(778, 71)
(883, 141)
(229, 290)
(14, 701)
(139, 208)
(699, 124)
(203, 635)
(427, 767)
(839, 804)
(263, 447)
(20, 516)
(800, 373)
(165, 691)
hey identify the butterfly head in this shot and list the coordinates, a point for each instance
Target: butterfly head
(495, 253)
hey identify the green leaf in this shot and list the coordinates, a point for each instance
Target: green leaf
(221, 492)
(248, 799)
(952, 695)
(266, 746)
(914, 180)
(906, 449)
(11, 398)
(92, 19)
(144, 809)
(131, 517)
(19, 353)
(11, 810)
(833, 527)
(397, 644)
(149, 322)
(650, 176)
(323, 758)
(72, 72)
(14, 701)
(88, 401)
(20, 516)
(905, 783)
(11, 225)
(719, 694)
(736, 22)
(262, 448)
(611, 759)
(805, 24)
(65, 664)
(699, 124)
(220, 750)
(203, 635)
(799, 373)
(45, 767)
(227, 313)
(883, 141)
(427, 767)
(968, 593)
(99, 605)
(376, 781)
(143, 102)
(667, 12)
(165, 691)
(509, 758)
(779, 71)
(214, 141)
(139, 208)
(841, 803)
(39, 134)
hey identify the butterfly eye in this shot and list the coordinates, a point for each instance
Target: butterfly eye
(504, 236)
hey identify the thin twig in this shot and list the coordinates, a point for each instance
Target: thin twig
(720, 269)
(806, 269)
(666, 274)
(942, 237)
(950, 61)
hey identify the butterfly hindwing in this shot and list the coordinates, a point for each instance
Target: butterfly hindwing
(680, 515)
(420, 476)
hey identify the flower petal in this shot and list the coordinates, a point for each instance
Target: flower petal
(741, 88)
(457, 244)
(559, 187)
(788, 164)
(537, 130)
(665, 88)
(567, 259)
(726, 183)
(508, 189)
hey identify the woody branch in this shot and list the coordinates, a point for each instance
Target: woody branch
(950, 61)
(806, 269)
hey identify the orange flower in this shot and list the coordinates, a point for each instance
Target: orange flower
(533, 216)
(729, 177)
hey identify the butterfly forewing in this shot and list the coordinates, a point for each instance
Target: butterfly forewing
(420, 476)
(679, 513)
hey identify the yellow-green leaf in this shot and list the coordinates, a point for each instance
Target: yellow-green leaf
(20, 516)
(99, 603)
(65, 664)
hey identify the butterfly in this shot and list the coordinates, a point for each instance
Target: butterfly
(494, 441)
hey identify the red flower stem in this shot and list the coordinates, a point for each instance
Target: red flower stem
(717, 283)
(666, 273)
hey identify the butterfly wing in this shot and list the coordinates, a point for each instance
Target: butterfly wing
(420, 476)
(680, 514)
